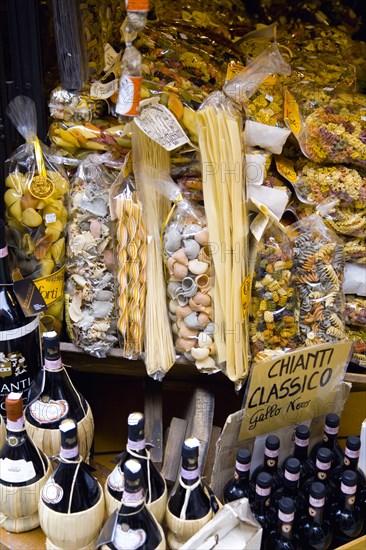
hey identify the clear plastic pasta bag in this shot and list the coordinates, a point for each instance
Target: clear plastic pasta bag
(190, 280)
(91, 286)
(318, 256)
(355, 250)
(75, 106)
(274, 305)
(35, 209)
(131, 257)
(329, 126)
(355, 311)
(358, 336)
(344, 221)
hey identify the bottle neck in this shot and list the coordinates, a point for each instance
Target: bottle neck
(53, 365)
(330, 437)
(15, 426)
(5, 276)
(291, 482)
(132, 497)
(322, 470)
(301, 449)
(190, 473)
(69, 454)
(261, 498)
(285, 522)
(350, 460)
(136, 443)
(348, 497)
(242, 471)
(316, 509)
(270, 462)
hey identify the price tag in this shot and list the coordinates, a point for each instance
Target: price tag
(157, 122)
(292, 113)
(103, 91)
(245, 295)
(286, 168)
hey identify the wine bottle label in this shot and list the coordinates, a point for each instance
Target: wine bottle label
(323, 465)
(133, 499)
(301, 442)
(136, 445)
(348, 490)
(331, 431)
(292, 477)
(116, 480)
(53, 365)
(4, 252)
(270, 453)
(15, 425)
(242, 467)
(316, 502)
(52, 493)
(48, 411)
(137, 5)
(189, 474)
(286, 518)
(69, 454)
(14, 441)
(16, 471)
(129, 95)
(352, 454)
(125, 538)
(263, 491)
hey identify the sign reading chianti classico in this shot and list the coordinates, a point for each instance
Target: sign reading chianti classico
(294, 387)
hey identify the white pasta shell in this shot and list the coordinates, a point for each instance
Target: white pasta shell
(197, 267)
(204, 340)
(206, 364)
(200, 353)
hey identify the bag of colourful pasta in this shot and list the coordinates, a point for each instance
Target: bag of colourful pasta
(35, 209)
(273, 313)
(329, 125)
(318, 256)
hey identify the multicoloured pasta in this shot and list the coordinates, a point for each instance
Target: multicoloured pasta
(355, 311)
(358, 335)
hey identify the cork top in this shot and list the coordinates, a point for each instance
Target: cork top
(14, 406)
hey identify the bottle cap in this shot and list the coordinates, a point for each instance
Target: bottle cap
(136, 426)
(132, 474)
(353, 443)
(302, 432)
(272, 442)
(287, 505)
(190, 448)
(14, 406)
(69, 434)
(292, 465)
(317, 490)
(349, 478)
(243, 456)
(264, 480)
(332, 420)
(51, 345)
(2, 234)
(324, 455)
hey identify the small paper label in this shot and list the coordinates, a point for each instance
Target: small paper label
(286, 168)
(233, 69)
(245, 295)
(125, 538)
(52, 493)
(157, 122)
(103, 91)
(292, 113)
(16, 471)
(48, 411)
(138, 5)
(29, 297)
(52, 286)
(50, 218)
(116, 480)
(129, 95)
(110, 56)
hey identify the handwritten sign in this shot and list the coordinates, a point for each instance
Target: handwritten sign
(294, 387)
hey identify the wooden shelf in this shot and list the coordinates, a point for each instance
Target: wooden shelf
(35, 539)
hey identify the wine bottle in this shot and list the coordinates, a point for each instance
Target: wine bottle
(322, 473)
(189, 500)
(314, 531)
(347, 518)
(72, 505)
(329, 440)
(270, 461)
(134, 527)
(22, 466)
(260, 503)
(283, 537)
(152, 481)
(302, 436)
(58, 400)
(289, 487)
(20, 349)
(350, 462)
(238, 486)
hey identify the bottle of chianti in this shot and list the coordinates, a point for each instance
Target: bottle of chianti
(314, 531)
(307, 468)
(290, 487)
(323, 464)
(270, 461)
(283, 537)
(329, 440)
(153, 482)
(350, 462)
(22, 465)
(189, 500)
(347, 518)
(71, 488)
(260, 503)
(20, 349)
(132, 526)
(58, 400)
(238, 486)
